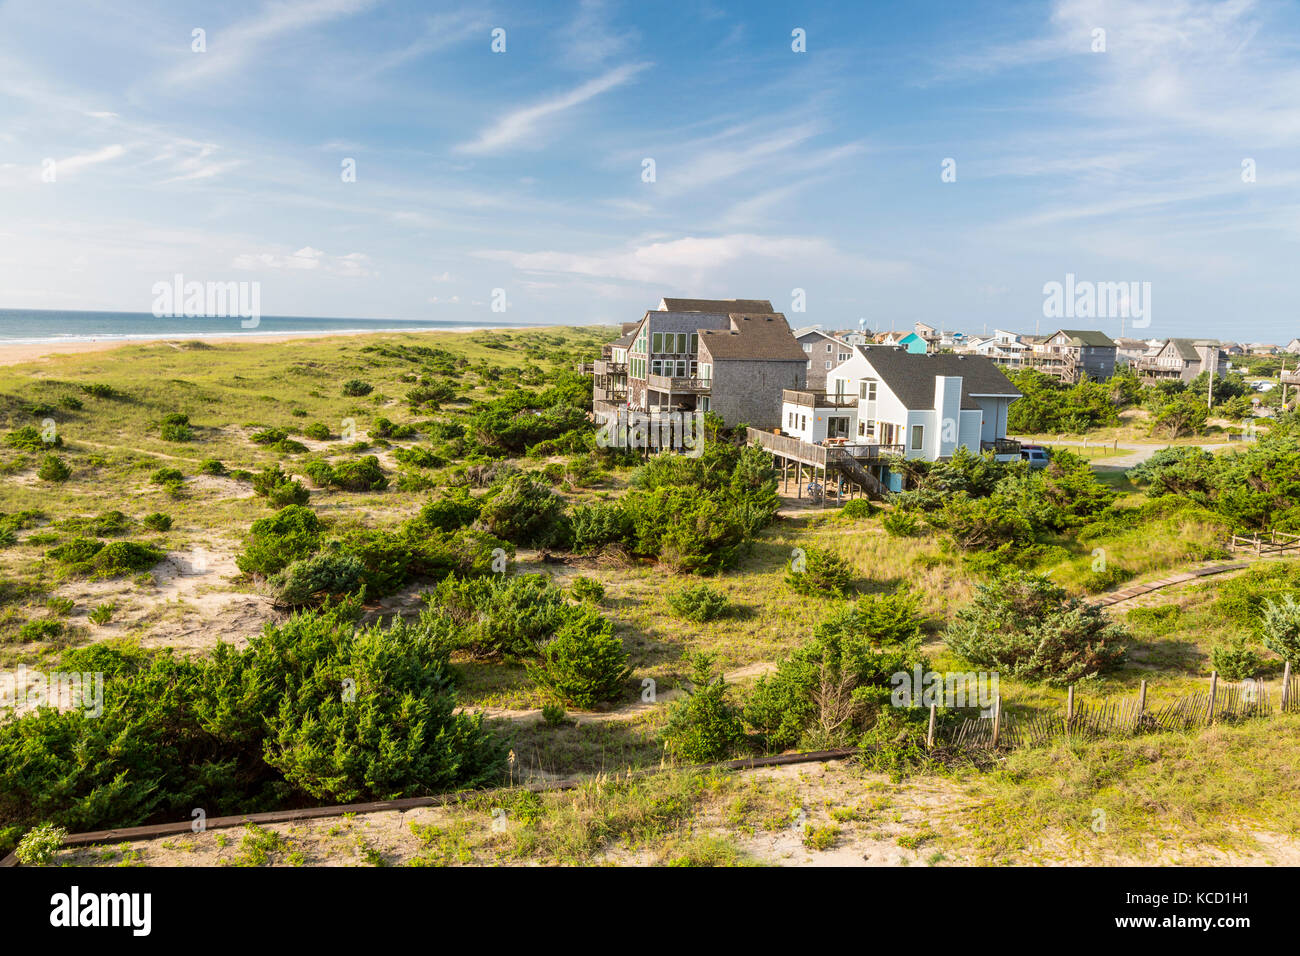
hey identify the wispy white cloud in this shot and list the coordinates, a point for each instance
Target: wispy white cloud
(523, 125)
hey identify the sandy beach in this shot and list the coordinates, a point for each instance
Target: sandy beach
(19, 353)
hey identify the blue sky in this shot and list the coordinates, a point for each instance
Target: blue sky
(774, 170)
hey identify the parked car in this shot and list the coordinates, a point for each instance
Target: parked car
(1036, 455)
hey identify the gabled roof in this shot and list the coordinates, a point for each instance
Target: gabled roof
(911, 377)
(800, 333)
(1186, 348)
(725, 306)
(1092, 338)
(629, 337)
(758, 336)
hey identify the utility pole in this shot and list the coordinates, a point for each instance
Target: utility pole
(1213, 362)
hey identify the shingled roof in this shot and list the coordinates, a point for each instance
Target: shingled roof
(725, 306)
(911, 377)
(757, 336)
(1092, 338)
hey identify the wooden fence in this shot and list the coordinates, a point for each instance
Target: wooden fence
(1266, 542)
(1116, 718)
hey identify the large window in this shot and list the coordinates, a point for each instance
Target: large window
(867, 390)
(918, 437)
(658, 343)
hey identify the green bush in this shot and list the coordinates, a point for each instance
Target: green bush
(858, 508)
(502, 615)
(157, 521)
(29, 438)
(699, 603)
(320, 576)
(597, 525)
(585, 663)
(316, 709)
(363, 474)
(355, 388)
(819, 572)
(166, 476)
(317, 431)
(901, 524)
(40, 844)
(456, 509)
(176, 427)
(87, 556)
(279, 488)
(1280, 625)
(1235, 660)
(525, 511)
(418, 458)
(268, 436)
(705, 726)
(40, 630)
(829, 692)
(292, 533)
(1028, 628)
(53, 468)
(587, 589)
(210, 466)
(102, 614)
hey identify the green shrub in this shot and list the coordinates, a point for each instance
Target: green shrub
(60, 606)
(554, 715)
(102, 614)
(830, 691)
(858, 508)
(418, 458)
(157, 521)
(1280, 626)
(585, 663)
(819, 572)
(166, 476)
(40, 844)
(314, 710)
(901, 524)
(292, 533)
(355, 388)
(1026, 627)
(525, 511)
(699, 603)
(268, 436)
(30, 438)
(705, 726)
(40, 630)
(587, 589)
(210, 466)
(53, 468)
(454, 510)
(320, 576)
(176, 427)
(87, 556)
(1236, 660)
(510, 615)
(363, 474)
(317, 431)
(597, 525)
(279, 488)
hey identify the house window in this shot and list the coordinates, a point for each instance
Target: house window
(658, 341)
(807, 347)
(803, 422)
(706, 370)
(871, 429)
(829, 347)
(845, 356)
(695, 342)
(828, 363)
(810, 363)
(862, 429)
(918, 437)
(682, 339)
(867, 390)
(704, 403)
(656, 367)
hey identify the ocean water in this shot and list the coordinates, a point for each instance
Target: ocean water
(19, 326)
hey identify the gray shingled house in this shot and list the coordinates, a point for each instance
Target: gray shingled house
(729, 356)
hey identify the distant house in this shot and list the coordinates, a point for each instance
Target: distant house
(1183, 360)
(824, 351)
(1293, 347)
(1074, 355)
(998, 349)
(729, 356)
(925, 405)
(1130, 351)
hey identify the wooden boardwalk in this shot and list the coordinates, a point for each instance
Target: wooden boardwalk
(1136, 590)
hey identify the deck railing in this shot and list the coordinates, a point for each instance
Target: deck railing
(671, 383)
(794, 396)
